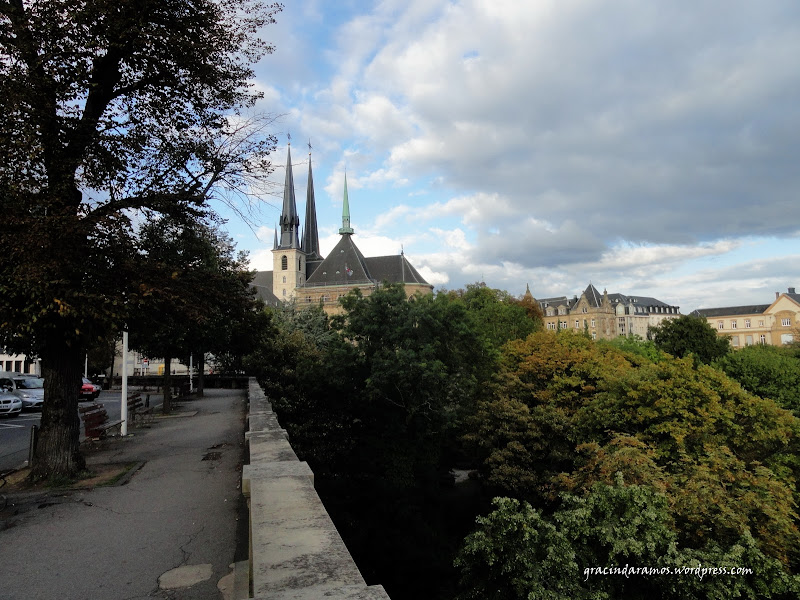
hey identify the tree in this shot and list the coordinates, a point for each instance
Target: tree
(689, 335)
(767, 371)
(625, 531)
(569, 413)
(497, 315)
(108, 108)
(194, 292)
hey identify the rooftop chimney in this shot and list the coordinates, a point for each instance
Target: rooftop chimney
(791, 290)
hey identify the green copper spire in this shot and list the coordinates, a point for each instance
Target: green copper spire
(345, 211)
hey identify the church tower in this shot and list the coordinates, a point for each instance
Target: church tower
(288, 258)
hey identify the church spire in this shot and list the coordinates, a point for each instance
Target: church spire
(345, 211)
(311, 234)
(290, 222)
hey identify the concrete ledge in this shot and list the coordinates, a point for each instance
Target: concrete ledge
(350, 592)
(296, 553)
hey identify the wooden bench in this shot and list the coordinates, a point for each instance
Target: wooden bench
(138, 407)
(95, 420)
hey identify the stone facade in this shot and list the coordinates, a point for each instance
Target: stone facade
(605, 316)
(774, 324)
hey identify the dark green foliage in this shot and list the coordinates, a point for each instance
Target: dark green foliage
(767, 371)
(194, 295)
(690, 335)
(497, 315)
(519, 552)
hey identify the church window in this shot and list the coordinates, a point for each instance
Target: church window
(284, 292)
(284, 263)
(284, 279)
(299, 264)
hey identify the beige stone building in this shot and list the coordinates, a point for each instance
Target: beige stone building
(605, 316)
(300, 273)
(774, 324)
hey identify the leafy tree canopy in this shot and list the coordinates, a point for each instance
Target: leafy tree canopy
(569, 413)
(687, 335)
(767, 371)
(110, 108)
(519, 552)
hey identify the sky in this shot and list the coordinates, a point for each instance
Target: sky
(649, 148)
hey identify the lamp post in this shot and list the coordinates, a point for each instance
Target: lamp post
(123, 410)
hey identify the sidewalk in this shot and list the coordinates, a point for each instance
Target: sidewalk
(169, 532)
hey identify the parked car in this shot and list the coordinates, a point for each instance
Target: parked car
(30, 390)
(89, 391)
(9, 403)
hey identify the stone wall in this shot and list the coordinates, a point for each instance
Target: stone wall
(295, 551)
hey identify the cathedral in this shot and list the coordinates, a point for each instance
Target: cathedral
(301, 274)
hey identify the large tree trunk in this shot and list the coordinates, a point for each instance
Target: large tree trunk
(57, 454)
(166, 407)
(201, 367)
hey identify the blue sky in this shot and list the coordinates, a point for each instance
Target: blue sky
(650, 148)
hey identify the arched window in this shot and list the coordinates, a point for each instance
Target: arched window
(284, 263)
(284, 279)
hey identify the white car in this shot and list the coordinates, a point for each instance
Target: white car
(9, 404)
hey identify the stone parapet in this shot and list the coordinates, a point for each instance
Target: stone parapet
(296, 553)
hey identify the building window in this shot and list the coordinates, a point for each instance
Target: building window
(594, 335)
(284, 263)
(585, 310)
(562, 310)
(720, 325)
(748, 340)
(284, 292)
(747, 323)
(577, 324)
(763, 339)
(787, 338)
(733, 324)
(761, 323)
(735, 340)
(563, 324)
(551, 325)
(592, 322)
(284, 279)
(786, 322)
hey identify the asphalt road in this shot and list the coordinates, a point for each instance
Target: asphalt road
(15, 432)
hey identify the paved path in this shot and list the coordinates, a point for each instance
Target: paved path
(176, 519)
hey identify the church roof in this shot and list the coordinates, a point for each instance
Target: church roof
(311, 234)
(262, 283)
(290, 222)
(345, 265)
(394, 269)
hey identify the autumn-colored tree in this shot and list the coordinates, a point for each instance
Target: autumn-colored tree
(109, 108)
(569, 413)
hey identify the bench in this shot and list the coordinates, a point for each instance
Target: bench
(95, 420)
(138, 407)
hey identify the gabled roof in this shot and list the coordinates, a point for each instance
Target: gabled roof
(594, 297)
(262, 283)
(752, 309)
(345, 265)
(394, 269)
